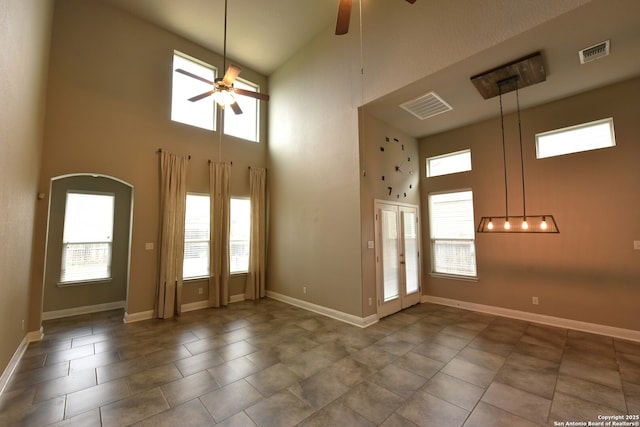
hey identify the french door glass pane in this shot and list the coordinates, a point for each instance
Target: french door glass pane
(410, 252)
(390, 255)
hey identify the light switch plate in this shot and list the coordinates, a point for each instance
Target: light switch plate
(636, 245)
(370, 244)
(148, 246)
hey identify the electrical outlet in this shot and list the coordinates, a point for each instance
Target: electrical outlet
(636, 245)
(148, 246)
(535, 300)
(22, 325)
(304, 289)
(370, 302)
(200, 291)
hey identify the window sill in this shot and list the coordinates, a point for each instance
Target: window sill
(84, 282)
(455, 277)
(239, 273)
(194, 279)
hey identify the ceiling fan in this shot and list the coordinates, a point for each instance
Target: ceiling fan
(344, 16)
(223, 90)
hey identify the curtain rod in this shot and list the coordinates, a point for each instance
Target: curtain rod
(211, 161)
(160, 151)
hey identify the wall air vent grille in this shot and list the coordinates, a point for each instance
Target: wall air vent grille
(594, 52)
(426, 106)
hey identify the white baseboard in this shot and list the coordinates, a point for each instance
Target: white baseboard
(362, 322)
(192, 306)
(626, 334)
(56, 314)
(32, 336)
(137, 317)
(236, 298)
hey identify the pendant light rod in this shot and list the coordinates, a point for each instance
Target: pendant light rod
(524, 206)
(224, 47)
(504, 154)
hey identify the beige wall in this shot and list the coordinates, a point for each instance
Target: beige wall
(374, 163)
(24, 49)
(589, 272)
(319, 214)
(108, 112)
(314, 234)
(92, 293)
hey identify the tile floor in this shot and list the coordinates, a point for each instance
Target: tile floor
(267, 363)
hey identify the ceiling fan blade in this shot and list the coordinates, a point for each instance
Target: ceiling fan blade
(187, 73)
(257, 95)
(235, 107)
(344, 16)
(201, 96)
(230, 75)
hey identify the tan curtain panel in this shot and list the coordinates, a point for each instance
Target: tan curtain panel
(173, 193)
(220, 199)
(256, 283)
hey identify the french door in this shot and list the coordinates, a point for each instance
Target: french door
(397, 256)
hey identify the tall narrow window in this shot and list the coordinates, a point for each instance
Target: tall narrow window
(196, 237)
(239, 233)
(453, 249)
(87, 237)
(200, 113)
(243, 125)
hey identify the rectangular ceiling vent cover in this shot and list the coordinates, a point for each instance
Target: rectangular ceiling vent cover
(594, 52)
(426, 106)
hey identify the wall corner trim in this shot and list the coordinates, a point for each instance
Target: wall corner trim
(361, 322)
(611, 331)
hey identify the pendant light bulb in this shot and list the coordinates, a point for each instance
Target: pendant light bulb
(543, 225)
(525, 225)
(490, 225)
(507, 226)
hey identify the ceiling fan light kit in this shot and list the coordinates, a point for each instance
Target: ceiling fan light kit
(510, 77)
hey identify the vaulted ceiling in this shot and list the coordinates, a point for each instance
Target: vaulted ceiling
(264, 34)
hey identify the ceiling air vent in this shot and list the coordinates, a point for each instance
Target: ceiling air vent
(594, 52)
(426, 106)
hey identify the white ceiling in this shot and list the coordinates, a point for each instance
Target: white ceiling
(263, 34)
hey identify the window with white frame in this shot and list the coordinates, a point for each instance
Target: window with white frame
(239, 232)
(87, 237)
(245, 125)
(445, 164)
(453, 249)
(200, 113)
(574, 139)
(196, 237)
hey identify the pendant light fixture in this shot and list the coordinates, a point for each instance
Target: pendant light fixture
(523, 72)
